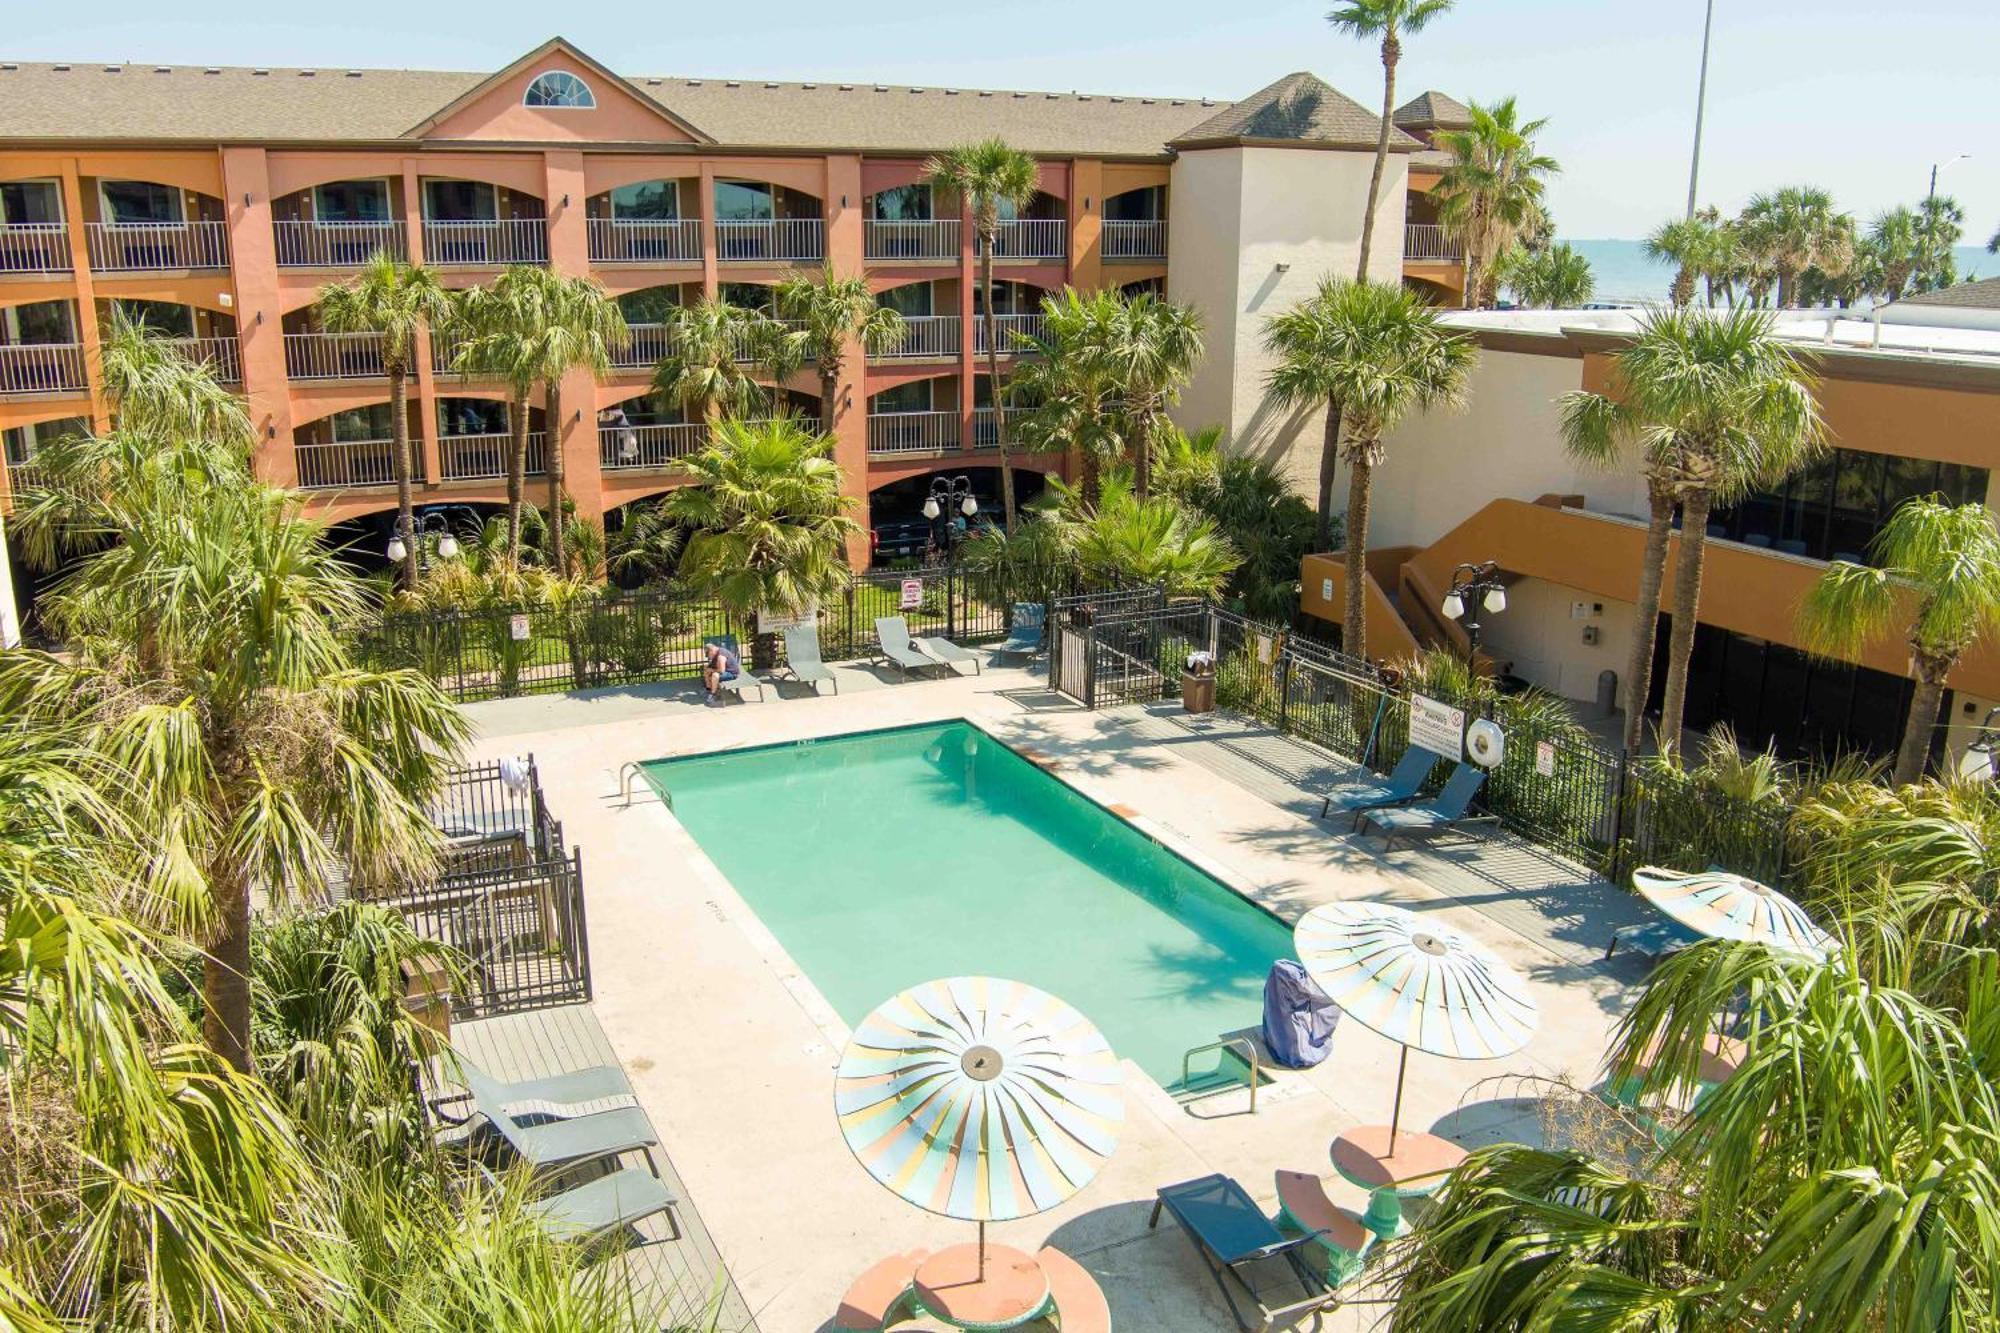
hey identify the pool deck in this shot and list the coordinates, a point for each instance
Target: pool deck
(732, 1050)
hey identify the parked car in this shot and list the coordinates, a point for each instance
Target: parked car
(899, 537)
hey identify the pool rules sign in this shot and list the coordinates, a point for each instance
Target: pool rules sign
(1437, 727)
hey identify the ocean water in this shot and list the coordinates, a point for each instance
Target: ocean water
(1624, 273)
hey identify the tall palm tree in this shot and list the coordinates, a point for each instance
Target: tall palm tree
(1490, 193)
(767, 524)
(584, 327)
(713, 348)
(502, 327)
(1687, 244)
(1063, 392)
(988, 176)
(1894, 249)
(1381, 353)
(1717, 404)
(1948, 557)
(1366, 20)
(1555, 277)
(397, 302)
(205, 659)
(1795, 229)
(1150, 348)
(829, 312)
(1940, 223)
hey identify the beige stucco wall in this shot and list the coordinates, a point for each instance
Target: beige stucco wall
(1254, 230)
(1540, 638)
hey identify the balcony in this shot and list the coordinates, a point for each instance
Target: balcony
(486, 242)
(341, 464)
(927, 337)
(1032, 238)
(1129, 241)
(643, 448)
(629, 241)
(219, 354)
(305, 244)
(484, 457)
(648, 345)
(333, 356)
(892, 241)
(779, 240)
(34, 247)
(743, 339)
(894, 433)
(1011, 329)
(985, 431)
(42, 368)
(1426, 243)
(146, 247)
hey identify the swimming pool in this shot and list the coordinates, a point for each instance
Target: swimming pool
(887, 858)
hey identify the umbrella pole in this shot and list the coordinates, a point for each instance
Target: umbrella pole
(982, 1249)
(1396, 1113)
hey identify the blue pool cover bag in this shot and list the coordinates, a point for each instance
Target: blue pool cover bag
(1298, 1018)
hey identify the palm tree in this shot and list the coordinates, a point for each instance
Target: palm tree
(1717, 403)
(988, 176)
(1373, 353)
(502, 327)
(829, 313)
(1555, 277)
(1134, 539)
(1491, 192)
(1064, 391)
(205, 659)
(584, 327)
(1688, 244)
(1797, 228)
(1893, 249)
(767, 523)
(397, 302)
(1366, 20)
(1949, 558)
(712, 349)
(1149, 350)
(1940, 223)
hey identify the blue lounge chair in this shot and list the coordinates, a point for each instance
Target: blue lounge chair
(892, 633)
(558, 1145)
(802, 658)
(1402, 784)
(595, 1084)
(1242, 1249)
(1448, 810)
(1025, 635)
(1656, 938)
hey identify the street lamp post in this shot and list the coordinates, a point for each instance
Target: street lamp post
(1936, 167)
(948, 494)
(1475, 587)
(1700, 109)
(431, 530)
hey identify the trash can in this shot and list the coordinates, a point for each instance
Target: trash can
(1198, 683)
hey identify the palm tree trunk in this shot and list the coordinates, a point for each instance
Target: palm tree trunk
(1687, 600)
(1392, 51)
(1142, 450)
(1786, 282)
(225, 972)
(1474, 279)
(517, 463)
(553, 462)
(1090, 476)
(988, 240)
(1329, 463)
(1646, 611)
(1915, 751)
(1354, 620)
(1683, 291)
(829, 386)
(399, 413)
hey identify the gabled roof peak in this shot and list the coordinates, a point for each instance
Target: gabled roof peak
(1433, 111)
(1300, 110)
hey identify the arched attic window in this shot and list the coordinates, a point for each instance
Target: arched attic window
(559, 87)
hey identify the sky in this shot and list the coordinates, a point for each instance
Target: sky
(1852, 95)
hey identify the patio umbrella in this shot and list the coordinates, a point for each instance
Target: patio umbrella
(979, 1099)
(1724, 906)
(1417, 982)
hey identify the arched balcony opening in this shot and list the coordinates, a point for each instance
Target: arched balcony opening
(339, 224)
(646, 222)
(40, 351)
(475, 436)
(757, 222)
(34, 238)
(197, 333)
(651, 431)
(312, 354)
(931, 322)
(917, 417)
(1135, 225)
(646, 314)
(354, 447)
(141, 226)
(477, 224)
(1156, 287)
(19, 444)
(1038, 230)
(904, 225)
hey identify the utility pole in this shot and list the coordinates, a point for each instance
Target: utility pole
(1700, 108)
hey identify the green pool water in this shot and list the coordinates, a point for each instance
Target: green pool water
(892, 857)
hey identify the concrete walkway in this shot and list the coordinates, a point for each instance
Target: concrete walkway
(732, 1050)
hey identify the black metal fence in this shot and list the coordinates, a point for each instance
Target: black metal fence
(496, 652)
(1553, 785)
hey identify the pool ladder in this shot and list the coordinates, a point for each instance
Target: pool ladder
(636, 770)
(1232, 1045)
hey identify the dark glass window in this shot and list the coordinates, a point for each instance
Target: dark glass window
(1833, 509)
(26, 202)
(1143, 205)
(912, 298)
(912, 397)
(902, 203)
(471, 416)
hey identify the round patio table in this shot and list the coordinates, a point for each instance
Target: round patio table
(1014, 1289)
(1417, 1166)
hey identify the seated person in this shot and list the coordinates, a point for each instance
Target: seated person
(721, 665)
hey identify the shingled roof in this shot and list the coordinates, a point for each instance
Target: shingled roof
(1300, 110)
(84, 102)
(1981, 295)
(1433, 111)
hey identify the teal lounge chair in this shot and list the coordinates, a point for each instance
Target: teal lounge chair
(744, 680)
(802, 658)
(892, 633)
(1448, 810)
(947, 652)
(558, 1145)
(1027, 632)
(1402, 784)
(1237, 1244)
(607, 1204)
(596, 1084)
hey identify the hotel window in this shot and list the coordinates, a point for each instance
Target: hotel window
(22, 441)
(351, 201)
(28, 202)
(460, 201)
(649, 305)
(749, 296)
(559, 88)
(37, 323)
(743, 201)
(357, 424)
(471, 416)
(161, 317)
(141, 201)
(904, 203)
(1148, 204)
(911, 300)
(912, 397)
(1833, 509)
(647, 201)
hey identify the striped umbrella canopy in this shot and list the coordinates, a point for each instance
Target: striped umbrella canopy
(1726, 906)
(979, 1098)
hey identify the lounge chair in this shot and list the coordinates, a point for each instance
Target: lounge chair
(1447, 810)
(1656, 938)
(558, 1145)
(1027, 631)
(944, 650)
(596, 1084)
(1402, 784)
(1239, 1244)
(744, 680)
(596, 1208)
(892, 634)
(802, 658)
